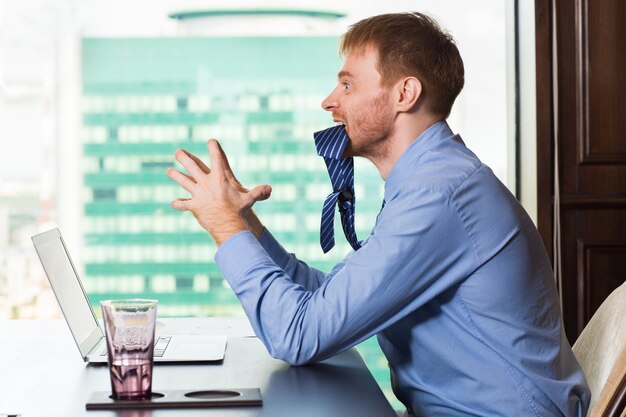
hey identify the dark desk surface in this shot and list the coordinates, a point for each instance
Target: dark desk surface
(42, 374)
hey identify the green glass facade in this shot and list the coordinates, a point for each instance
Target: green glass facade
(143, 99)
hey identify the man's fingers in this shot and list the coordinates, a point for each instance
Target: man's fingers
(190, 165)
(215, 151)
(181, 179)
(198, 162)
(227, 170)
(190, 177)
(260, 193)
(182, 204)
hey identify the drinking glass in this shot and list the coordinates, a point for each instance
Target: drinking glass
(129, 327)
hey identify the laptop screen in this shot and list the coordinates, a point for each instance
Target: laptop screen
(65, 284)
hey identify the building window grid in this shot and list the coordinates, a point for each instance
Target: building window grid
(268, 136)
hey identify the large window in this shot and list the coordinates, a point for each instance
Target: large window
(144, 98)
(95, 98)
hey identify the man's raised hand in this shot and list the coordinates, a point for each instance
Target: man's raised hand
(218, 201)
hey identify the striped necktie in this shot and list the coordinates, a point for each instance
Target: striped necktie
(330, 144)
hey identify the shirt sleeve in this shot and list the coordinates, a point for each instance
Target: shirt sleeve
(418, 249)
(299, 271)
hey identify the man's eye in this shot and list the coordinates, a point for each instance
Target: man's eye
(346, 86)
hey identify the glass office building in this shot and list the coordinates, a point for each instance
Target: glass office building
(143, 99)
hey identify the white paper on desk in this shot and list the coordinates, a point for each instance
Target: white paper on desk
(212, 326)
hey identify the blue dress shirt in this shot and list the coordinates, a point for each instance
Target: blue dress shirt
(454, 279)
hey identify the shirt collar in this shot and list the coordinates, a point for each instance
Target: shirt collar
(427, 140)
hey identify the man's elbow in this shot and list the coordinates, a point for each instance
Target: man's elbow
(293, 355)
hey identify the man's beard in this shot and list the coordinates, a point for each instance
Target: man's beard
(369, 130)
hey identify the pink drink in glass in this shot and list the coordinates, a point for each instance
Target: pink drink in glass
(129, 327)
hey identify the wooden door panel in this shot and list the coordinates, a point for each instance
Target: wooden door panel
(581, 89)
(604, 40)
(601, 181)
(595, 239)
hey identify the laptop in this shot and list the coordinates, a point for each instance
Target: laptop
(85, 328)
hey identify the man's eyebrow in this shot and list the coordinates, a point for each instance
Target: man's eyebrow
(344, 74)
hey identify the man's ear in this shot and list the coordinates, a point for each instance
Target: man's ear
(409, 92)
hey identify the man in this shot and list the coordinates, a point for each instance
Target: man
(453, 279)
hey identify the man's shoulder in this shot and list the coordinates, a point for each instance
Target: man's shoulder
(443, 170)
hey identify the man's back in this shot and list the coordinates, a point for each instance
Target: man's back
(488, 342)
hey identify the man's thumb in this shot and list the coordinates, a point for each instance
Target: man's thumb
(261, 192)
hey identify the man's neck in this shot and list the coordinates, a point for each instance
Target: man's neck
(407, 129)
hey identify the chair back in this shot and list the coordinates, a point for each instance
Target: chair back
(601, 352)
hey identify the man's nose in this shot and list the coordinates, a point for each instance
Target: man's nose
(330, 103)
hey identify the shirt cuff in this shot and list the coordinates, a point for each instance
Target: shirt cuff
(274, 249)
(239, 254)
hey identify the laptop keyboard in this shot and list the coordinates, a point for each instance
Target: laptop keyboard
(159, 346)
